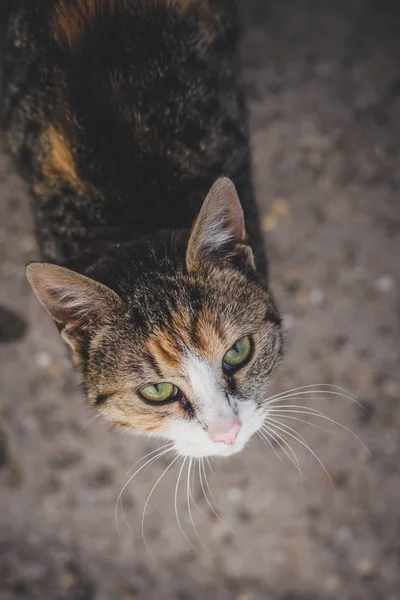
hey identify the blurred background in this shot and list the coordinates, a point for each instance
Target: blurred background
(323, 83)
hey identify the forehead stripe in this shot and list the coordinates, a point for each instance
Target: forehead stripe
(154, 364)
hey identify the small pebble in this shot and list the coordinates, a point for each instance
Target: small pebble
(365, 567)
(68, 579)
(288, 321)
(385, 284)
(280, 207)
(16, 473)
(316, 297)
(64, 459)
(314, 158)
(332, 583)
(269, 223)
(43, 360)
(235, 494)
(391, 389)
(54, 369)
(343, 535)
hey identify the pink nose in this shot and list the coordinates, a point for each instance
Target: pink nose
(225, 435)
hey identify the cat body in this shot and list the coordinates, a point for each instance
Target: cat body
(122, 114)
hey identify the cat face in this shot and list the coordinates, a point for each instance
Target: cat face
(176, 337)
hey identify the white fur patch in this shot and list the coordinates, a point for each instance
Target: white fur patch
(213, 409)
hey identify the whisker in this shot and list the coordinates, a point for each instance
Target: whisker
(176, 505)
(304, 397)
(278, 438)
(201, 467)
(311, 396)
(287, 430)
(209, 465)
(89, 422)
(269, 420)
(305, 410)
(314, 385)
(119, 499)
(188, 496)
(190, 491)
(265, 439)
(283, 416)
(150, 495)
(208, 485)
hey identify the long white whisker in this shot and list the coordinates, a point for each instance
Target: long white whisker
(152, 459)
(265, 439)
(314, 413)
(286, 429)
(208, 485)
(150, 495)
(201, 467)
(284, 416)
(314, 385)
(303, 397)
(209, 465)
(146, 456)
(278, 438)
(271, 420)
(176, 505)
(120, 498)
(89, 422)
(190, 491)
(311, 396)
(188, 496)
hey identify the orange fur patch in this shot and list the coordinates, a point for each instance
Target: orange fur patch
(210, 336)
(165, 351)
(59, 160)
(71, 17)
(206, 337)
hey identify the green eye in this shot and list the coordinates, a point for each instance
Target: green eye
(158, 392)
(238, 355)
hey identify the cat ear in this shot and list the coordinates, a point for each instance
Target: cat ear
(219, 230)
(73, 300)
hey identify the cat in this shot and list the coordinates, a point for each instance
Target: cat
(128, 120)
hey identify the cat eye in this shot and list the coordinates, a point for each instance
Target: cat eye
(159, 392)
(238, 355)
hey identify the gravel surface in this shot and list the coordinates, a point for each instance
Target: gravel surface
(323, 80)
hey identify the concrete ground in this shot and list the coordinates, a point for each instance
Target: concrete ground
(323, 80)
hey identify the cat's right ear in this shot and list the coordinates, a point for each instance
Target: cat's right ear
(219, 230)
(73, 300)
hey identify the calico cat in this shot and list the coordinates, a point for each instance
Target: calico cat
(128, 121)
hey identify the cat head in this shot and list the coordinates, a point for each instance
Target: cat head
(176, 335)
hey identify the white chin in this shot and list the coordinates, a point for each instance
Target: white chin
(212, 449)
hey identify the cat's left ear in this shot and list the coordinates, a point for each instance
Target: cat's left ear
(219, 231)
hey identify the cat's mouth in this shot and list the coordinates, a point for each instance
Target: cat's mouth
(217, 438)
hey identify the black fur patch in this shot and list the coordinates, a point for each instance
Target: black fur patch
(101, 399)
(126, 130)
